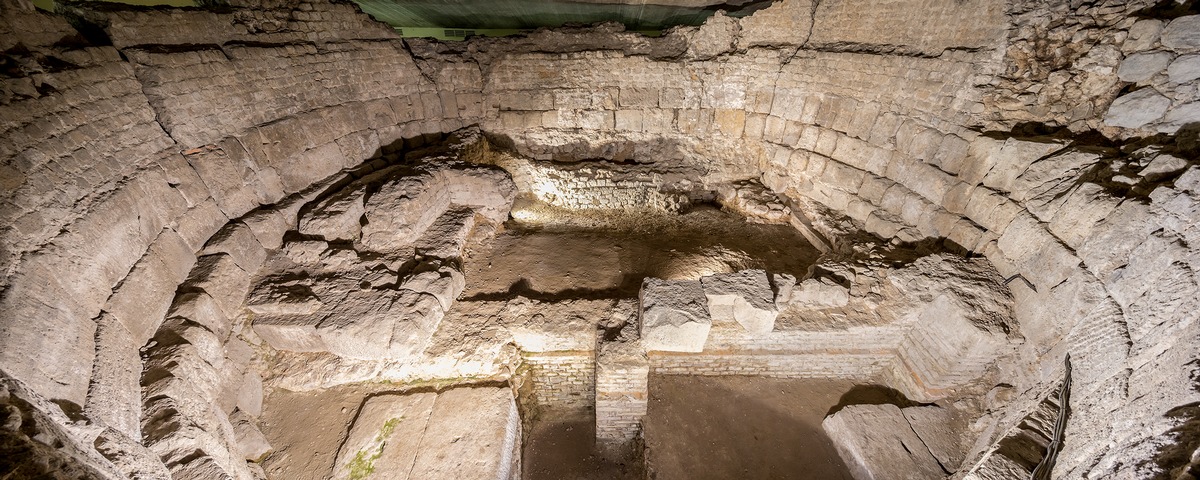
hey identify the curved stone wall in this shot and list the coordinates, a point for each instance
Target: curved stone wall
(135, 137)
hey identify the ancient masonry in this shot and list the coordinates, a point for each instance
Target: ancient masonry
(202, 206)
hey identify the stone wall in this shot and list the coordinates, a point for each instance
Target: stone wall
(120, 162)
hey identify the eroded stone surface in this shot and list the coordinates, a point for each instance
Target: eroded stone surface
(674, 315)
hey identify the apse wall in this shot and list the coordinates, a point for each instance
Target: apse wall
(121, 161)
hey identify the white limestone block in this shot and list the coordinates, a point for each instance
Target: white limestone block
(473, 433)
(385, 437)
(674, 316)
(876, 442)
(744, 297)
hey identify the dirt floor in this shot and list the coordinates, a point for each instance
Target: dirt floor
(700, 428)
(741, 428)
(611, 259)
(560, 446)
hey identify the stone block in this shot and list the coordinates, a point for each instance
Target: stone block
(251, 442)
(1143, 35)
(250, 394)
(1184, 69)
(201, 223)
(1013, 158)
(200, 307)
(876, 442)
(338, 217)
(1182, 34)
(144, 296)
(674, 315)
(401, 210)
(49, 349)
(1186, 114)
(444, 284)
(1143, 66)
(1137, 109)
(473, 433)
(293, 333)
(447, 237)
(283, 299)
(223, 280)
(240, 243)
(417, 316)
(115, 395)
(361, 325)
(818, 293)
(386, 436)
(744, 297)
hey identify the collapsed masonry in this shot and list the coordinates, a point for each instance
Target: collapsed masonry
(185, 189)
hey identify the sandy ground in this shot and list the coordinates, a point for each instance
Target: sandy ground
(567, 260)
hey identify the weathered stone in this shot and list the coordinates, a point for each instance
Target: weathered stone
(447, 236)
(1135, 110)
(1182, 34)
(1143, 35)
(402, 210)
(1140, 67)
(250, 394)
(223, 280)
(337, 218)
(1180, 116)
(877, 442)
(473, 433)
(297, 334)
(1163, 165)
(744, 297)
(114, 397)
(445, 284)
(145, 295)
(1184, 69)
(674, 315)
(283, 299)
(237, 240)
(819, 293)
(386, 436)
(200, 307)
(251, 442)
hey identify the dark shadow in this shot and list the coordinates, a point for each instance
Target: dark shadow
(561, 445)
(873, 395)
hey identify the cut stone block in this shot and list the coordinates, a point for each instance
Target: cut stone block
(876, 443)
(237, 240)
(201, 308)
(674, 315)
(361, 326)
(744, 297)
(473, 433)
(402, 210)
(385, 437)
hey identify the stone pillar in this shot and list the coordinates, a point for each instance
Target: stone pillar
(622, 393)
